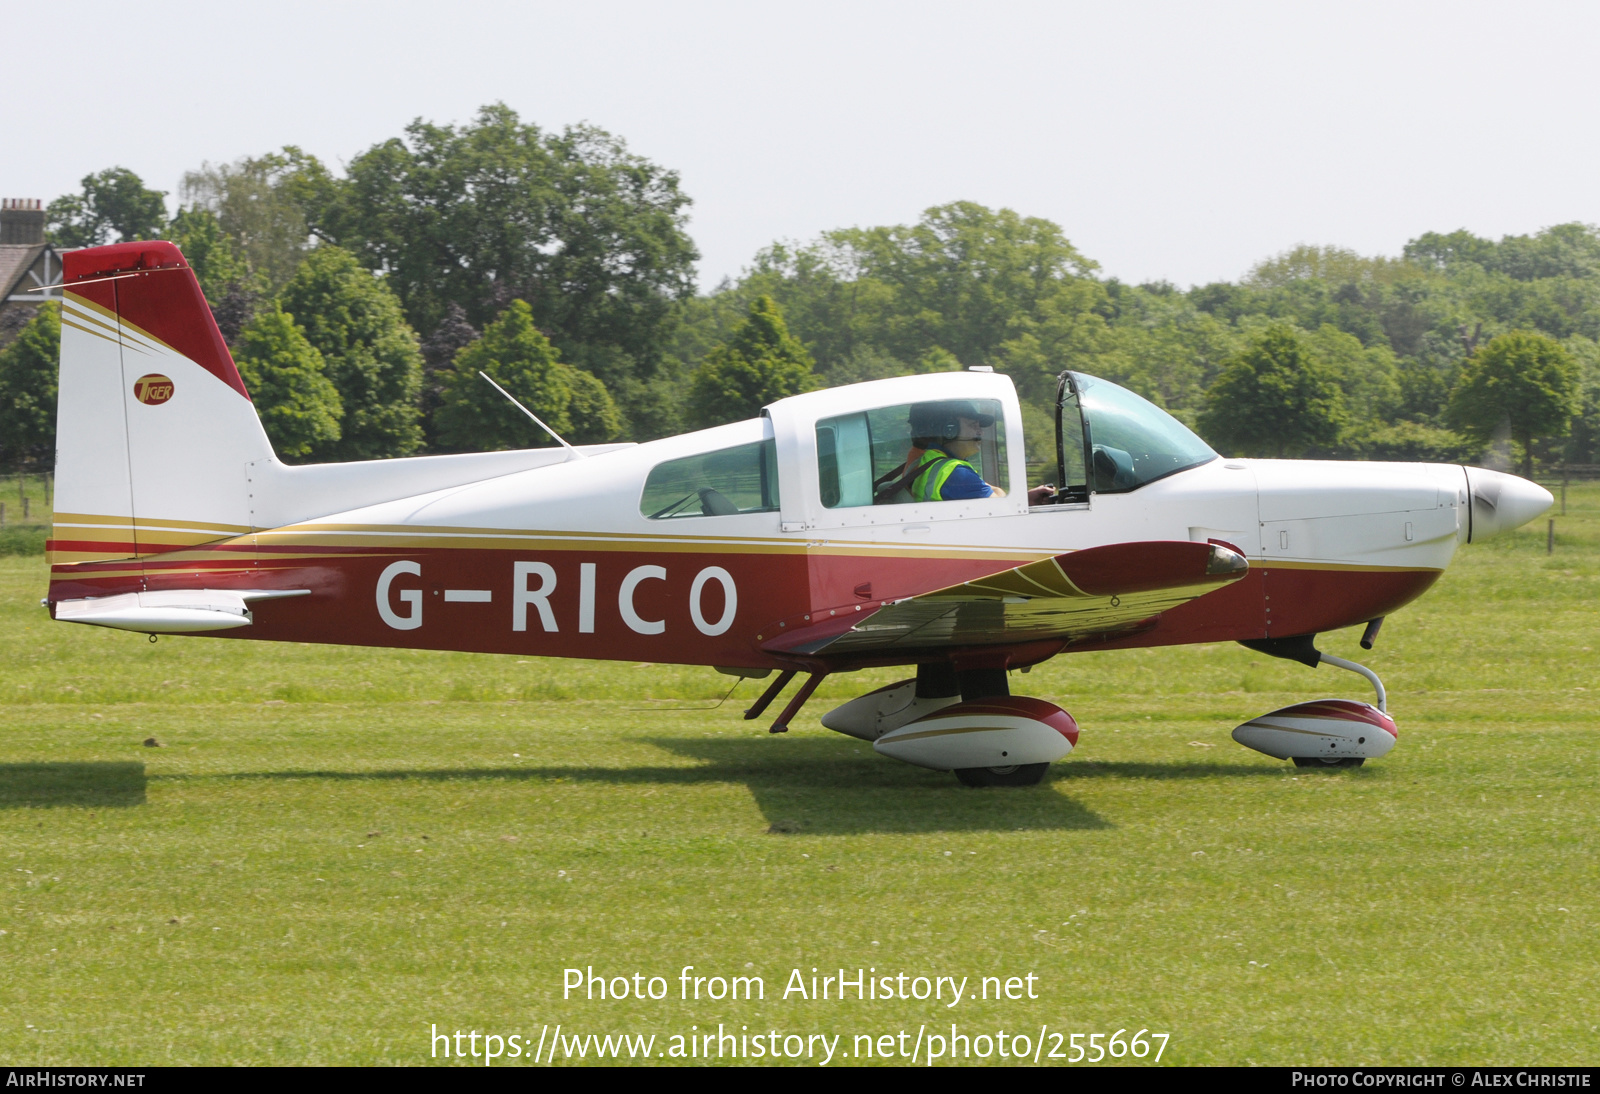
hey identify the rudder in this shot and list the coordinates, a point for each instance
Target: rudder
(154, 426)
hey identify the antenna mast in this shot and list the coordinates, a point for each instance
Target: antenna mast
(559, 440)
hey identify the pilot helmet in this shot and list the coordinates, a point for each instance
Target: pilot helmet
(942, 420)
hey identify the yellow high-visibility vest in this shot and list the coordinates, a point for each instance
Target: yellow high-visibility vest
(934, 470)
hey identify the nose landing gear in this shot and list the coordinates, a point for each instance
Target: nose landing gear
(1323, 732)
(1360, 670)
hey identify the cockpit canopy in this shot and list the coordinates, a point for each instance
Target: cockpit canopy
(843, 453)
(1113, 441)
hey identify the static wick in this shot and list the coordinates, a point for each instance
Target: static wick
(532, 415)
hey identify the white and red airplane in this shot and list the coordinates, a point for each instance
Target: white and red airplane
(757, 547)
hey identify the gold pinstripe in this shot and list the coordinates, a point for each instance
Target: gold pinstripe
(148, 522)
(184, 540)
(118, 324)
(922, 734)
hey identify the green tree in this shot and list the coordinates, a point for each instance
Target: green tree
(1522, 382)
(592, 411)
(1441, 251)
(1367, 376)
(760, 363)
(963, 276)
(28, 377)
(259, 204)
(590, 235)
(1584, 446)
(1560, 251)
(368, 350)
(1275, 398)
(1336, 265)
(114, 202)
(965, 280)
(1407, 442)
(1178, 358)
(299, 406)
(513, 352)
(652, 408)
(209, 252)
(439, 351)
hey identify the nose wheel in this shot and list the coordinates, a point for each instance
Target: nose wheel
(1324, 733)
(1383, 706)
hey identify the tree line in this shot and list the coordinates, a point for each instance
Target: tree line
(361, 306)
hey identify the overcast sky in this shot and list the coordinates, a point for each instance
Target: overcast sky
(1177, 141)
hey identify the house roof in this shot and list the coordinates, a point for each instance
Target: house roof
(16, 259)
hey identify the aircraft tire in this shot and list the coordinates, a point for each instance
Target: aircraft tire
(1015, 775)
(1318, 761)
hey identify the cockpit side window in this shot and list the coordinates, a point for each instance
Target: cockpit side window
(1133, 441)
(863, 458)
(742, 479)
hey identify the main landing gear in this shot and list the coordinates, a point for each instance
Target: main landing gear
(967, 722)
(1323, 732)
(1015, 775)
(988, 684)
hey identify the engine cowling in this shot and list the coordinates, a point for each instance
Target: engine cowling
(1003, 731)
(1326, 729)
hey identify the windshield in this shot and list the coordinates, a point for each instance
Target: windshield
(1132, 440)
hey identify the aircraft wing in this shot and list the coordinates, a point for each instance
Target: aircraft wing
(1095, 591)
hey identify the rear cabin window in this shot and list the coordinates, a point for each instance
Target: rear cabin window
(862, 458)
(743, 479)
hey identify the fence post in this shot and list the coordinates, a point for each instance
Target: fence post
(1550, 538)
(2, 514)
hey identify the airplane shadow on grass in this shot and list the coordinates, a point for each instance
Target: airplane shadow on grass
(815, 787)
(825, 787)
(800, 786)
(71, 784)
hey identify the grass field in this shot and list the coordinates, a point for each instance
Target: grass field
(24, 514)
(336, 848)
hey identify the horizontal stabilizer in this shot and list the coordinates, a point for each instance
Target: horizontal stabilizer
(174, 611)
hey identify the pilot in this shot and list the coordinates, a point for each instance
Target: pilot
(945, 437)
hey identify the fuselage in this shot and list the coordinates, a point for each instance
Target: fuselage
(576, 559)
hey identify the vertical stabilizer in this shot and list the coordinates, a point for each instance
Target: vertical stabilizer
(154, 427)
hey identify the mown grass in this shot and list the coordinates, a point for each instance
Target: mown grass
(24, 535)
(335, 848)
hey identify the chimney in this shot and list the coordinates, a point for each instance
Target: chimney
(21, 221)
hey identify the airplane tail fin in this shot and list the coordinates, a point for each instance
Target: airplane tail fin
(155, 430)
